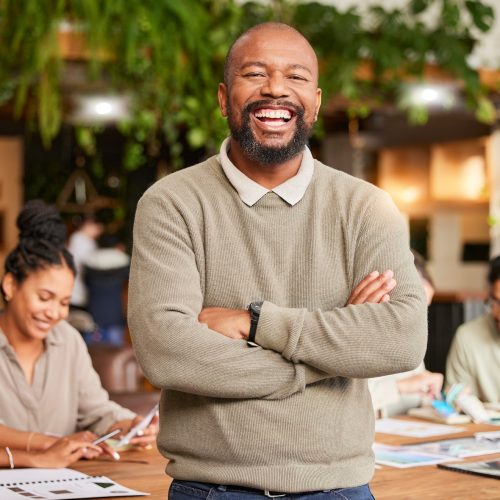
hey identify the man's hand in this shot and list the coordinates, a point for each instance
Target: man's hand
(425, 384)
(374, 288)
(232, 323)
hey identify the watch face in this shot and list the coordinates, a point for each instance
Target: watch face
(256, 307)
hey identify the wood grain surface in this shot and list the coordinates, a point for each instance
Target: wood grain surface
(145, 471)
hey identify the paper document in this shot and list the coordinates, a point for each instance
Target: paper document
(48, 484)
(413, 428)
(399, 456)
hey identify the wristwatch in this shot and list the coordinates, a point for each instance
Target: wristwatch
(254, 308)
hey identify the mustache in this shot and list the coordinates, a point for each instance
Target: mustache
(252, 106)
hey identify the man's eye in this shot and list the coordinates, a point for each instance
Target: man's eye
(298, 77)
(254, 74)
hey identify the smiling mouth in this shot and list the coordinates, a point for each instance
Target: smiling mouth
(273, 115)
(42, 324)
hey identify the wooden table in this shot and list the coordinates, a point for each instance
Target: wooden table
(429, 482)
(140, 470)
(145, 471)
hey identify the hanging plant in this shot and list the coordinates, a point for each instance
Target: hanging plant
(169, 56)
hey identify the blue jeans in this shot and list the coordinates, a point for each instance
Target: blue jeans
(189, 490)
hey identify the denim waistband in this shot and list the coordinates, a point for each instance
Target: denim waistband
(246, 489)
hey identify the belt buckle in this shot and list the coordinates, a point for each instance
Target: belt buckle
(271, 495)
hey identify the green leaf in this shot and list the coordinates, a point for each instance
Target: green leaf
(482, 15)
(197, 137)
(485, 110)
(418, 6)
(134, 156)
(493, 220)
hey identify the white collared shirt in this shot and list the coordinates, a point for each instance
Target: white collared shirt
(250, 192)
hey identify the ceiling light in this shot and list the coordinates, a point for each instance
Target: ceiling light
(89, 109)
(435, 95)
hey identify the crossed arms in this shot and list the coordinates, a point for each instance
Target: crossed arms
(182, 351)
(235, 323)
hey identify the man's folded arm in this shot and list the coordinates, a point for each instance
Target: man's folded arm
(174, 349)
(363, 340)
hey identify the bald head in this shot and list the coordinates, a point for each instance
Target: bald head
(291, 35)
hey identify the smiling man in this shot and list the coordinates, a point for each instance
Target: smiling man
(243, 302)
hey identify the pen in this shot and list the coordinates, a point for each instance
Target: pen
(106, 436)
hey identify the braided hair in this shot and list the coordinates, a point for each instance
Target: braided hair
(42, 239)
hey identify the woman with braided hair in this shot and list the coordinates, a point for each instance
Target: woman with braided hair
(52, 404)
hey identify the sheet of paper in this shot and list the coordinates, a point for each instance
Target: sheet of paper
(25, 475)
(398, 456)
(413, 428)
(58, 484)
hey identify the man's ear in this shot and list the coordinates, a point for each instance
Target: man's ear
(222, 97)
(318, 103)
(8, 286)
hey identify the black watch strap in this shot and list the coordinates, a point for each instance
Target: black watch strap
(254, 309)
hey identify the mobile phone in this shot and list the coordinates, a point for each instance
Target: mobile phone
(102, 438)
(141, 425)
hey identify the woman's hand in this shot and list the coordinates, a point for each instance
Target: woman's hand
(83, 436)
(145, 437)
(64, 452)
(89, 437)
(425, 384)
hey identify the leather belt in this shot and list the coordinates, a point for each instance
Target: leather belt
(267, 493)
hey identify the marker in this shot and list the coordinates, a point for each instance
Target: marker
(106, 436)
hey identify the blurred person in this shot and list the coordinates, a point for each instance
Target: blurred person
(106, 271)
(396, 394)
(474, 356)
(49, 387)
(81, 244)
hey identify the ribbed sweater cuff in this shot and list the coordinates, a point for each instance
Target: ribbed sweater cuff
(279, 328)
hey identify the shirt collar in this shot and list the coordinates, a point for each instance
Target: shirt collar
(250, 192)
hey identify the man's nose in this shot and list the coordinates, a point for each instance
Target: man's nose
(275, 86)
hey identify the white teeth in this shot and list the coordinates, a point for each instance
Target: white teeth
(273, 113)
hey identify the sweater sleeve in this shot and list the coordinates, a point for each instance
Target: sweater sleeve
(458, 366)
(365, 340)
(175, 351)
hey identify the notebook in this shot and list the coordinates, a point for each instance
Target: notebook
(487, 469)
(58, 483)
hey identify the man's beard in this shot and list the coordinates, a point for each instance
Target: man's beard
(269, 155)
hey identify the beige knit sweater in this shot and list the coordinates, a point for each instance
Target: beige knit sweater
(295, 414)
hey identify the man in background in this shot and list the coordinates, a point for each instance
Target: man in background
(81, 244)
(106, 273)
(474, 357)
(241, 271)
